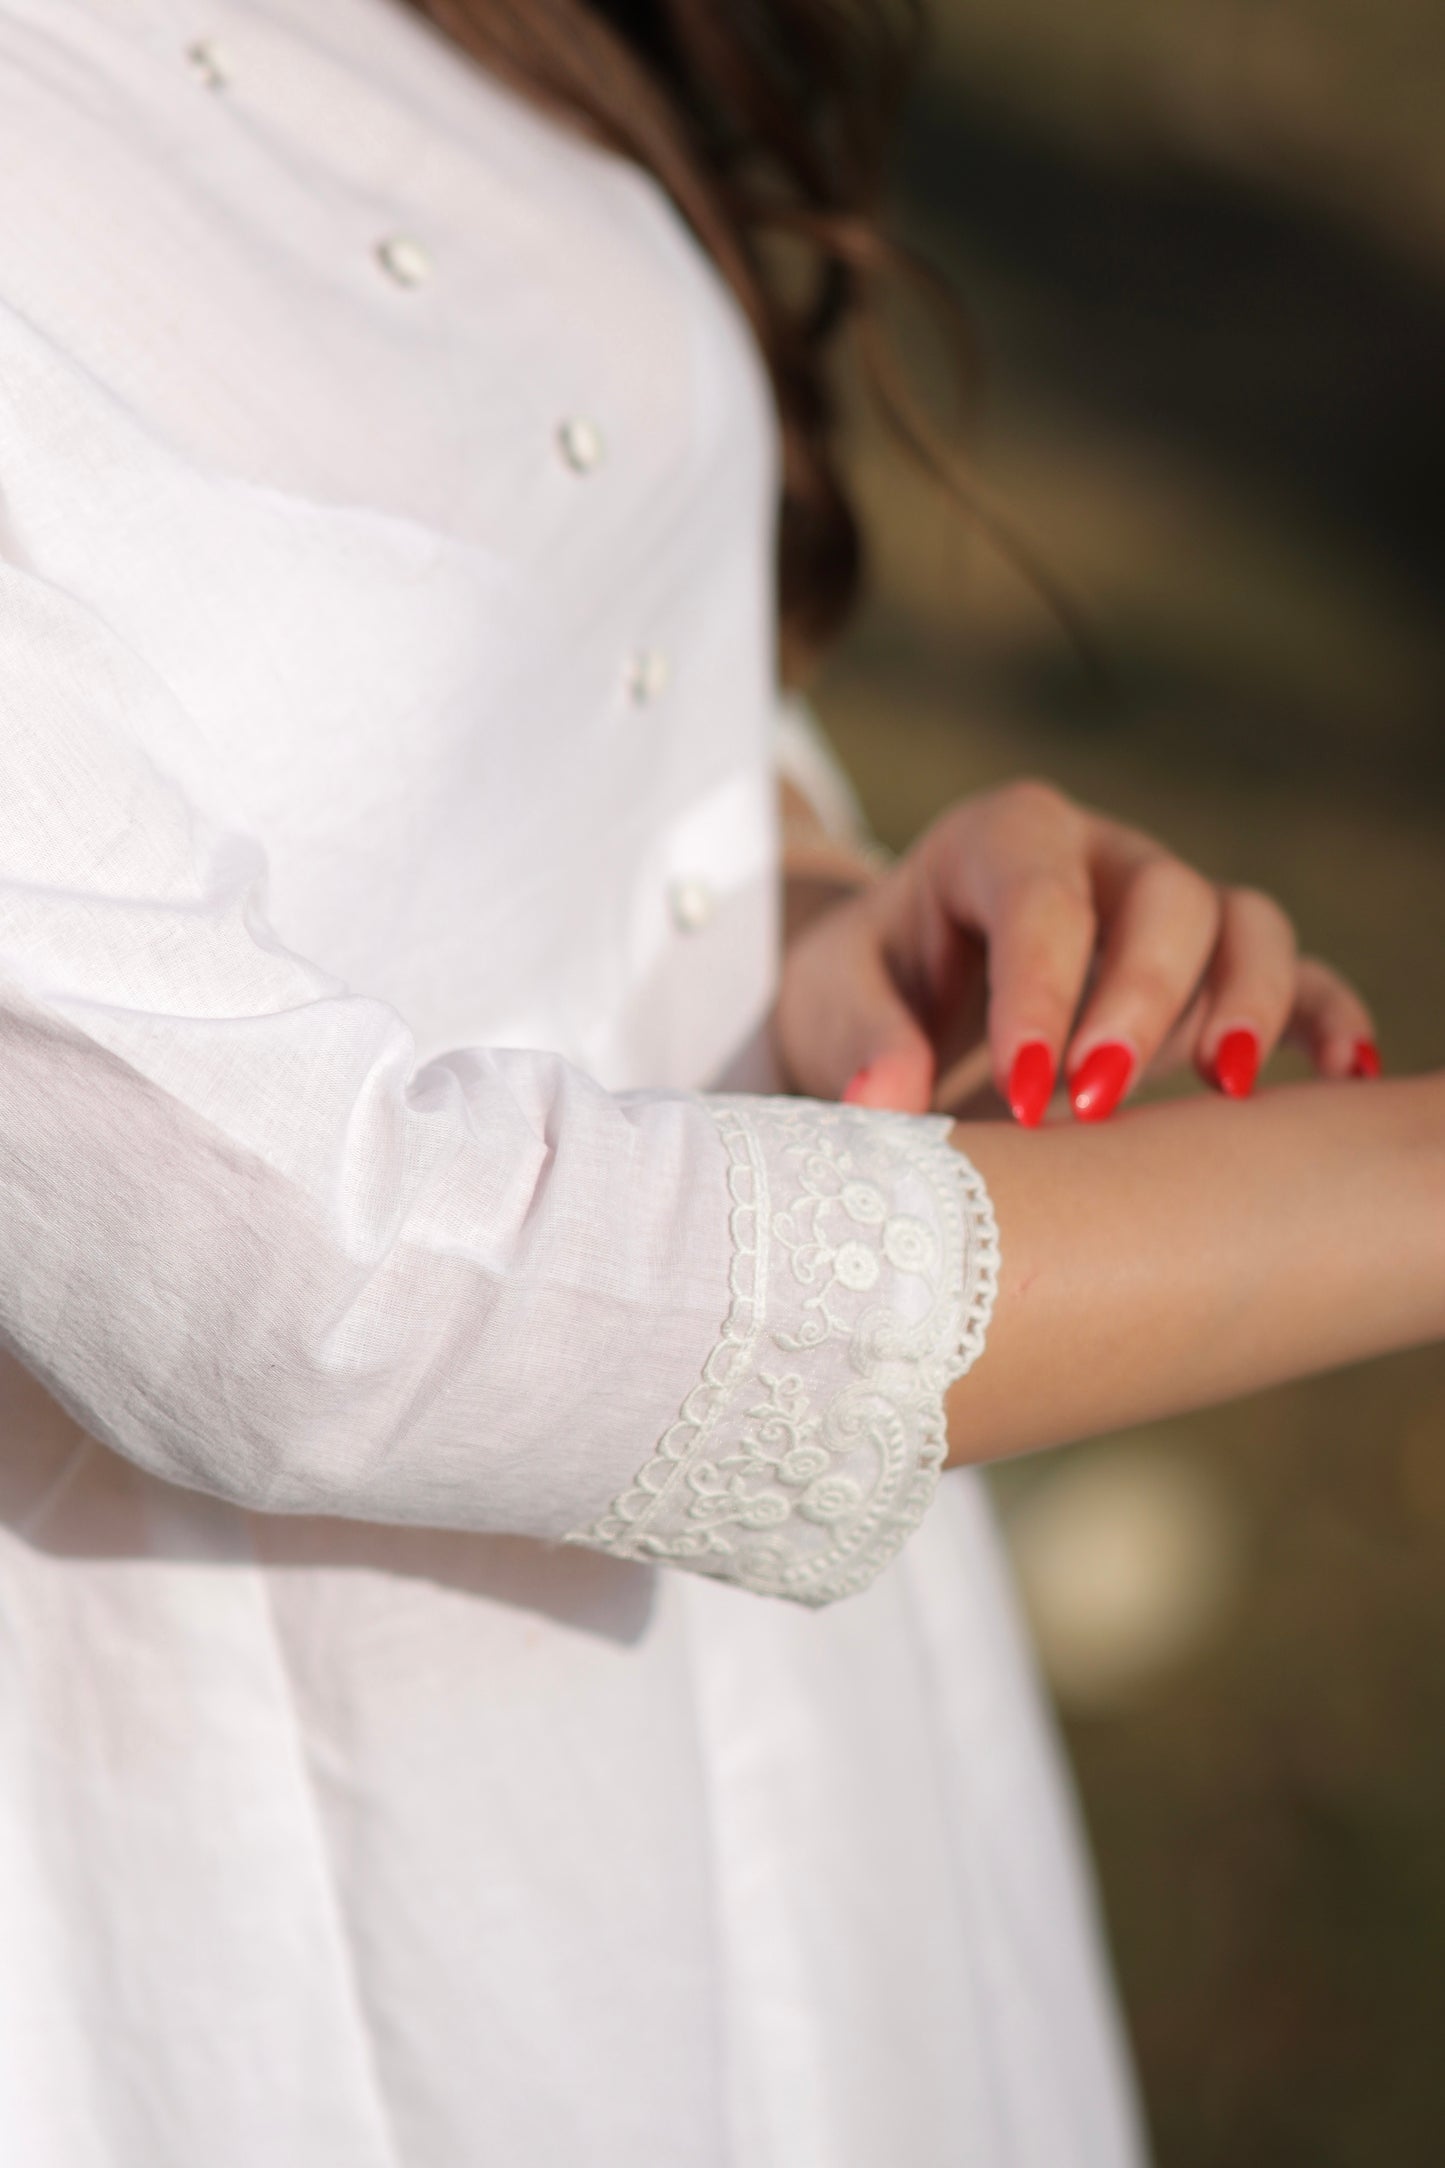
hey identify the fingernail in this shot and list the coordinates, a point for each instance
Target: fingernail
(1100, 1082)
(1236, 1063)
(856, 1088)
(1367, 1060)
(1031, 1083)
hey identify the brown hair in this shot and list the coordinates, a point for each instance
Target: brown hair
(766, 120)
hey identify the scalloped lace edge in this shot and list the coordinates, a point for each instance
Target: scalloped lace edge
(683, 1507)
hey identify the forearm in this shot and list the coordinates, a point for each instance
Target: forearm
(1187, 1253)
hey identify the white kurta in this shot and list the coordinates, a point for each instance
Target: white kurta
(432, 1353)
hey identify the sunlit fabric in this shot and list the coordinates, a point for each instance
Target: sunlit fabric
(488, 1669)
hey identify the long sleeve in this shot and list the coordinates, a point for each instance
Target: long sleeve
(253, 1245)
(392, 1179)
(248, 1236)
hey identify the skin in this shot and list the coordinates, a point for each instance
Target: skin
(1171, 1256)
(1021, 917)
(1183, 1254)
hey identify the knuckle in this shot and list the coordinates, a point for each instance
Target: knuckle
(958, 820)
(1032, 799)
(1266, 959)
(1265, 913)
(1055, 896)
(1172, 883)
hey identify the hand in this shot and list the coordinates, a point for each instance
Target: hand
(1075, 944)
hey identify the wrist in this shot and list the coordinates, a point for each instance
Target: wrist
(820, 868)
(1191, 1251)
(820, 873)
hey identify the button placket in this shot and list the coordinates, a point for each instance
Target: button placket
(209, 62)
(692, 904)
(645, 676)
(579, 441)
(404, 259)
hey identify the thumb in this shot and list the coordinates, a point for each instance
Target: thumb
(892, 1059)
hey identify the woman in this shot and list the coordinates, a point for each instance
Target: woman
(429, 1230)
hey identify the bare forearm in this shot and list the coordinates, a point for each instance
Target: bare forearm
(1187, 1253)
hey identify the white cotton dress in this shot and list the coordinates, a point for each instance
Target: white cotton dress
(490, 1676)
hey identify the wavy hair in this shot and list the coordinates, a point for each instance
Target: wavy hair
(770, 123)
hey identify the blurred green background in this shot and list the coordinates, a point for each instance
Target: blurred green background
(1202, 243)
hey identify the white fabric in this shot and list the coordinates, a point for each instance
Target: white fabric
(394, 1218)
(805, 758)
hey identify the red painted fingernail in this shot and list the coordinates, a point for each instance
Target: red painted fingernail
(1236, 1063)
(1031, 1083)
(857, 1085)
(1100, 1082)
(1367, 1060)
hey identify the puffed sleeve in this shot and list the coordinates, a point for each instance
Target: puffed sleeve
(252, 1243)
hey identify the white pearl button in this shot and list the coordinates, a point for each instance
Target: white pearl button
(210, 62)
(404, 259)
(647, 674)
(580, 443)
(693, 904)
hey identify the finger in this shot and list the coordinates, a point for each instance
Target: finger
(1041, 943)
(885, 1055)
(1332, 1024)
(1157, 947)
(1013, 870)
(842, 1026)
(1251, 991)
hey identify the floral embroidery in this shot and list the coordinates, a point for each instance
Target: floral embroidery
(866, 1245)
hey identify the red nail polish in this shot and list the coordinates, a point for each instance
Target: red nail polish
(1367, 1060)
(1031, 1083)
(1236, 1063)
(1100, 1082)
(856, 1087)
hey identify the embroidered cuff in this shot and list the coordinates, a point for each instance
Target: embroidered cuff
(864, 1269)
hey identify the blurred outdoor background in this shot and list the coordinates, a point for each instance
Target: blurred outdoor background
(1203, 246)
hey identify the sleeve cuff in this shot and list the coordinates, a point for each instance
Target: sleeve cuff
(865, 1262)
